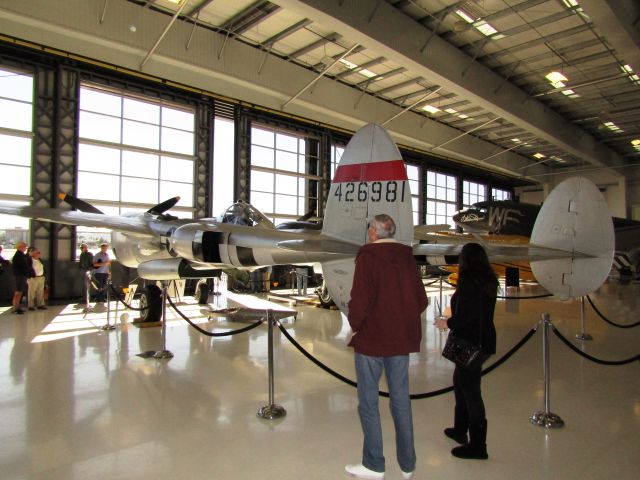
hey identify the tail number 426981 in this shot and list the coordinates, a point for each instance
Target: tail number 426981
(374, 191)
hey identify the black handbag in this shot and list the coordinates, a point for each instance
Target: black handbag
(461, 351)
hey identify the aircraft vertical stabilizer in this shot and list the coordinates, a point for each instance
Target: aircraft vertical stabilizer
(371, 179)
(574, 218)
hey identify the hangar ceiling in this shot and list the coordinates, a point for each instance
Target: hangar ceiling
(550, 85)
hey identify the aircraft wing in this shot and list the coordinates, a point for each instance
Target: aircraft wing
(130, 225)
(496, 253)
(421, 232)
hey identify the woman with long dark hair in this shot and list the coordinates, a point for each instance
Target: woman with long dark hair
(472, 307)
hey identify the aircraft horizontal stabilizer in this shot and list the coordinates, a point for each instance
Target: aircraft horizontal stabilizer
(325, 245)
(129, 225)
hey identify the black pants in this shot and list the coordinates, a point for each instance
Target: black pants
(469, 405)
(101, 284)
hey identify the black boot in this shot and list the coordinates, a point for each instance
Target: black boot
(477, 446)
(460, 426)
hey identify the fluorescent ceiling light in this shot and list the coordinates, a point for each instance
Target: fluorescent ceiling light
(348, 64)
(351, 66)
(570, 3)
(515, 140)
(462, 115)
(484, 28)
(174, 1)
(498, 37)
(635, 142)
(627, 69)
(450, 110)
(465, 16)
(568, 92)
(431, 109)
(556, 77)
(539, 155)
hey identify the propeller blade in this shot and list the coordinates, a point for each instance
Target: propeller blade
(78, 204)
(164, 206)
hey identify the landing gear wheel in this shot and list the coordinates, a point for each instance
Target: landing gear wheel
(201, 294)
(151, 304)
(324, 296)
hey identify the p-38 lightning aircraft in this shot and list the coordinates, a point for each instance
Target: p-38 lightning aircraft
(572, 242)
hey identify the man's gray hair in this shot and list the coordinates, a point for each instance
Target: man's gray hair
(384, 226)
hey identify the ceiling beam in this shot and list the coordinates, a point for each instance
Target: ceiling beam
(387, 31)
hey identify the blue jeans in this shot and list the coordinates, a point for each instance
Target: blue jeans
(368, 372)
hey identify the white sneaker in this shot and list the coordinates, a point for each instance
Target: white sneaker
(360, 471)
(407, 475)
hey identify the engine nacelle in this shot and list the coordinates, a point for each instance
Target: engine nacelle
(173, 269)
(191, 242)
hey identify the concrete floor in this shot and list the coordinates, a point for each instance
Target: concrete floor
(79, 403)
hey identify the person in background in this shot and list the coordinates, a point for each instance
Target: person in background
(302, 276)
(472, 306)
(86, 266)
(36, 281)
(102, 264)
(21, 272)
(387, 299)
(4, 263)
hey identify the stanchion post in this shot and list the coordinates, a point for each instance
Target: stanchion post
(546, 418)
(164, 353)
(583, 335)
(440, 304)
(87, 292)
(108, 326)
(271, 411)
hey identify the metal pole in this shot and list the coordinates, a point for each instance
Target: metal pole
(271, 411)
(87, 292)
(164, 353)
(108, 326)
(440, 304)
(583, 335)
(546, 418)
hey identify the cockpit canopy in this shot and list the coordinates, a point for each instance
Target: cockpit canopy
(242, 213)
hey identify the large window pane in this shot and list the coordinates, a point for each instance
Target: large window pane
(174, 118)
(176, 169)
(15, 150)
(98, 186)
(16, 115)
(133, 137)
(175, 189)
(262, 181)
(93, 158)
(140, 134)
(142, 111)
(16, 153)
(15, 178)
(286, 204)
(287, 161)
(223, 164)
(262, 137)
(281, 151)
(137, 164)
(100, 102)
(441, 198)
(139, 190)
(177, 141)
(16, 86)
(100, 127)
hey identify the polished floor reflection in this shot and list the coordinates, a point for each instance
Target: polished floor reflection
(77, 402)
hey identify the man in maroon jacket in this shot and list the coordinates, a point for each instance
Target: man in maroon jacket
(387, 299)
